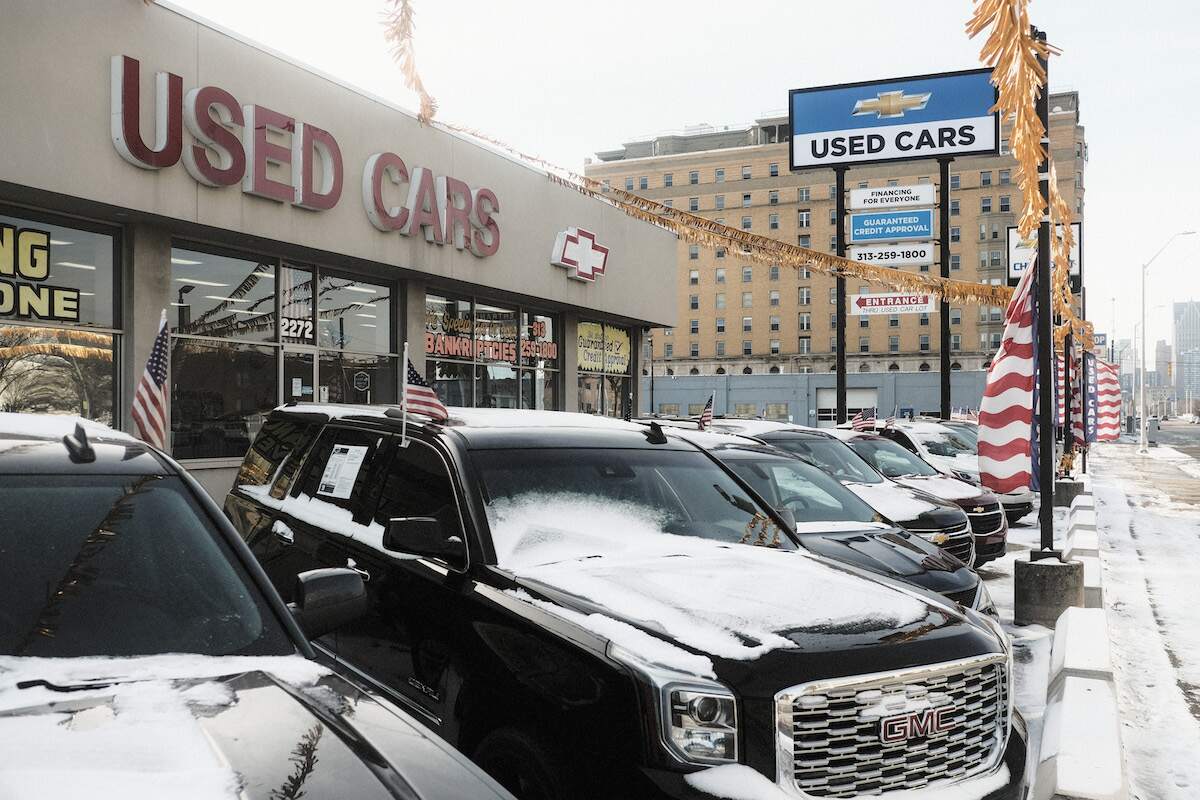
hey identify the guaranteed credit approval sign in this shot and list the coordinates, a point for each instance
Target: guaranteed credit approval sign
(894, 120)
(891, 226)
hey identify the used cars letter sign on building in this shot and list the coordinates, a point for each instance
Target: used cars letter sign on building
(894, 120)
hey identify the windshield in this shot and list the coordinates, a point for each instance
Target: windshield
(121, 565)
(944, 443)
(968, 433)
(787, 482)
(890, 458)
(830, 455)
(557, 504)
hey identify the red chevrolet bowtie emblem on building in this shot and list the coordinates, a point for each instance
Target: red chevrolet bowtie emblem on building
(577, 251)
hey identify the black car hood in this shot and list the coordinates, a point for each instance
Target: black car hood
(896, 554)
(908, 506)
(248, 736)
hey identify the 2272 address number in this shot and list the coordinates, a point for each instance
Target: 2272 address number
(296, 328)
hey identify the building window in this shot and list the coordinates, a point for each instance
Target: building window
(804, 240)
(721, 347)
(985, 205)
(668, 331)
(805, 296)
(805, 321)
(955, 262)
(1003, 147)
(694, 349)
(668, 179)
(693, 252)
(983, 232)
(669, 203)
(833, 322)
(604, 382)
(773, 272)
(693, 204)
(924, 342)
(863, 184)
(773, 169)
(864, 321)
(773, 297)
(893, 182)
(996, 257)
(803, 194)
(747, 347)
(693, 177)
(893, 344)
(923, 319)
(719, 202)
(720, 324)
(832, 216)
(805, 273)
(833, 243)
(747, 299)
(747, 324)
(833, 191)
(773, 197)
(804, 219)
(995, 230)
(719, 175)
(1005, 177)
(720, 252)
(924, 179)
(955, 342)
(629, 184)
(832, 295)
(668, 409)
(747, 274)
(956, 316)
(954, 208)
(719, 300)
(774, 322)
(745, 223)
(804, 345)
(746, 200)
(955, 182)
(955, 234)
(833, 344)
(694, 302)
(745, 172)
(774, 347)
(643, 182)
(694, 326)
(605, 185)
(668, 350)
(1005, 204)
(864, 344)
(773, 222)
(893, 320)
(985, 178)
(694, 277)
(720, 274)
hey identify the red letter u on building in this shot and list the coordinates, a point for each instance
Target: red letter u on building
(127, 115)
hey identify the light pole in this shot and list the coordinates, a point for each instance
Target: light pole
(1142, 446)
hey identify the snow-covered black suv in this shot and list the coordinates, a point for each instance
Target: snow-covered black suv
(592, 608)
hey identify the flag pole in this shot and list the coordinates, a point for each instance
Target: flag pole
(404, 399)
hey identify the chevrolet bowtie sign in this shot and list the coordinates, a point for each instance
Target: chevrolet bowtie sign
(577, 251)
(921, 117)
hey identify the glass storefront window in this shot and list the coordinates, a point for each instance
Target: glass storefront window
(495, 333)
(353, 315)
(452, 381)
(496, 387)
(357, 378)
(296, 325)
(57, 371)
(222, 296)
(604, 351)
(220, 393)
(539, 389)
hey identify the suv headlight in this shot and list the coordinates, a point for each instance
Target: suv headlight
(700, 723)
(697, 716)
(984, 603)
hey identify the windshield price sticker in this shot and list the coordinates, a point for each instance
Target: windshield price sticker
(342, 470)
(918, 253)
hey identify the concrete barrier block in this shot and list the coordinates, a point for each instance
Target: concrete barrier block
(1084, 518)
(1081, 756)
(1084, 500)
(1093, 593)
(1081, 646)
(1043, 589)
(1081, 542)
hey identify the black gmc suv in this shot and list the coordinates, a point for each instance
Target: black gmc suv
(590, 608)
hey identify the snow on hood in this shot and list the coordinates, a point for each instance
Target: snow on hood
(727, 600)
(839, 526)
(894, 502)
(138, 739)
(55, 426)
(942, 486)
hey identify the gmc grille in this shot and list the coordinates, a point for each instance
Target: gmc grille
(829, 732)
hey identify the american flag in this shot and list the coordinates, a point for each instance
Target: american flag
(706, 415)
(1108, 401)
(864, 420)
(150, 399)
(1006, 423)
(419, 396)
(891, 420)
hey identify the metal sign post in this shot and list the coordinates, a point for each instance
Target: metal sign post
(944, 248)
(840, 359)
(1045, 356)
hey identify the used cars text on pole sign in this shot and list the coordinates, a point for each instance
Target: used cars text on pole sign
(891, 226)
(924, 116)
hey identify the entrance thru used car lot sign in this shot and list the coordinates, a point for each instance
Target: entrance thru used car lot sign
(892, 303)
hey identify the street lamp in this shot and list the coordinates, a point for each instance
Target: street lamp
(1143, 447)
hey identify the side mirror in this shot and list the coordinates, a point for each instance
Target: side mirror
(788, 517)
(327, 599)
(425, 537)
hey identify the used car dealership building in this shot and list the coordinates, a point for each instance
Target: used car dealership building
(296, 231)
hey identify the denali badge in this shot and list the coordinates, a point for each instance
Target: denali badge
(925, 722)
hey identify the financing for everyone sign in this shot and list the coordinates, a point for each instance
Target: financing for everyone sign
(920, 194)
(924, 116)
(1022, 251)
(894, 255)
(892, 303)
(891, 226)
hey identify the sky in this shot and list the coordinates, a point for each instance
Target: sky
(562, 79)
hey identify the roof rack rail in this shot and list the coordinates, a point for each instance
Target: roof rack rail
(78, 447)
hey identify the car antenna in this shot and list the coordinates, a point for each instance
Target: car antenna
(655, 435)
(78, 447)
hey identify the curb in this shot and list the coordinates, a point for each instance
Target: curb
(1081, 755)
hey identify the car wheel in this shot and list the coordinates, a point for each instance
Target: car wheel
(525, 766)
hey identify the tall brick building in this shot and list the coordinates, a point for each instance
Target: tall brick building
(741, 317)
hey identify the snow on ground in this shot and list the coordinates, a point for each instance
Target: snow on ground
(1150, 547)
(739, 782)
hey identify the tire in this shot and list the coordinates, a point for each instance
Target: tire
(525, 766)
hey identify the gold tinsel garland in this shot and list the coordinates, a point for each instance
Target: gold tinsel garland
(398, 30)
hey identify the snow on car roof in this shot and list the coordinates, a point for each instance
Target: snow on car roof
(54, 426)
(710, 439)
(753, 427)
(530, 418)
